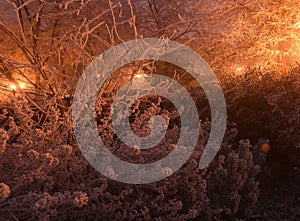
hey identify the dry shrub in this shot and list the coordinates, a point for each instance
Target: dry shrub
(47, 45)
(49, 179)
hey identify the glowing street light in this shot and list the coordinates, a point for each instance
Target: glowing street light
(22, 85)
(239, 69)
(13, 87)
(139, 76)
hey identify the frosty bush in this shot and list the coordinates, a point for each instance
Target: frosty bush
(228, 34)
(50, 179)
(4, 191)
(266, 104)
(47, 45)
(3, 139)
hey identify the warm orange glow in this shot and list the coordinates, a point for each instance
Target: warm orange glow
(265, 148)
(139, 76)
(239, 69)
(13, 87)
(22, 85)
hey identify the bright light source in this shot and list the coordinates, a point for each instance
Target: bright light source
(239, 69)
(13, 87)
(22, 85)
(138, 75)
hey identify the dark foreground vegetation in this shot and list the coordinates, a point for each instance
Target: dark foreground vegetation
(44, 175)
(252, 47)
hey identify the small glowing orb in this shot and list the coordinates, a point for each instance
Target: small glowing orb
(265, 148)
(139, 76)
(239, 69)
(13, 87)
(22, 85)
